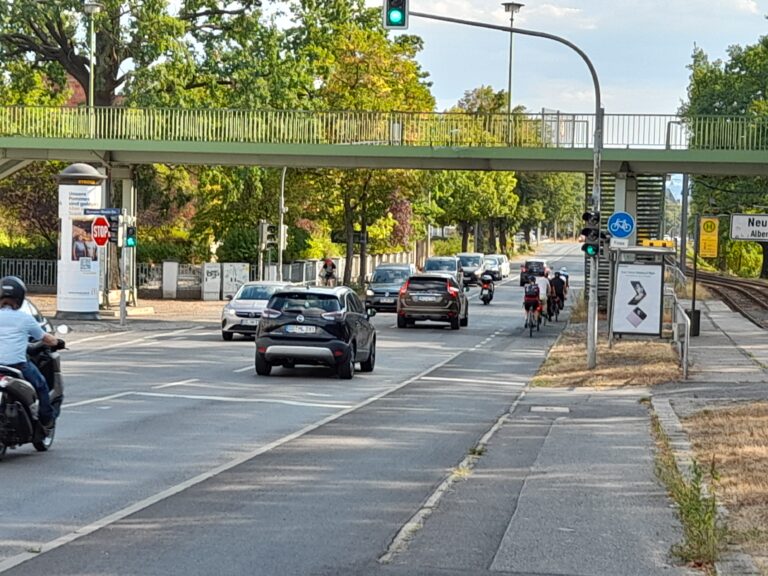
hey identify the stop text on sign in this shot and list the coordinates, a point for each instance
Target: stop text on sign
(100, 231)
(749, 227)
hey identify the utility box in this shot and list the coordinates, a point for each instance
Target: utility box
(211, 281)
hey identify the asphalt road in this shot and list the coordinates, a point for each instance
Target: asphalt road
(172, 457)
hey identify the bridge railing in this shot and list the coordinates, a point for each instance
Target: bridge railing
(522, 130)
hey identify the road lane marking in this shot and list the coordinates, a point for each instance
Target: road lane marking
(244, 369)
(471, 381)
(243, 400)
(144, 340)
(94, 400)
(179, 383)
(136, 507)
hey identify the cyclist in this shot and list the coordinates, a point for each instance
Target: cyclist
(545, 291)
(558, 287)
(564, 274)
(328, 272)
(532, 299)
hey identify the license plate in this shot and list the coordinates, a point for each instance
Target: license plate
(293, 329)
(387, 300)
(428, 298)
(250, 322)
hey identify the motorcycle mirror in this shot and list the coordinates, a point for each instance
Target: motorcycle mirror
(63, 329)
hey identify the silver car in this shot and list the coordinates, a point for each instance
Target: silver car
(241, 314)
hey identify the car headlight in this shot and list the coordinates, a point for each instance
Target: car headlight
(230, 312)
(369, 292)
(477, 272)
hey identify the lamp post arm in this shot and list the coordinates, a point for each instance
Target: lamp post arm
(524, 32)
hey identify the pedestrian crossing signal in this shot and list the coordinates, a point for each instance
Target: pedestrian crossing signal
(130, 240)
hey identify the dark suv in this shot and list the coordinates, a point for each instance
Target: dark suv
(535, 267)
(327, 326)
(432, 296)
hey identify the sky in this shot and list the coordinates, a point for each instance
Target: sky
(640, 49)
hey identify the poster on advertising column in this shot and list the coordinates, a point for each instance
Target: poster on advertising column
(638, 299)
(77, 283)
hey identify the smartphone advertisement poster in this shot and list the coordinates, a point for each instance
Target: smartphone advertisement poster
(638, 299)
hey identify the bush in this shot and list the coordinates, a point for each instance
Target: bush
(40, 252)
(446, 247)
(239, 245)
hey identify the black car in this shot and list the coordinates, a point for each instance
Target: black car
(326, 326)
(385, 284)
(535, 267)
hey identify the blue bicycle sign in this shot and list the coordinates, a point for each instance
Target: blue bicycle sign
(621, 225)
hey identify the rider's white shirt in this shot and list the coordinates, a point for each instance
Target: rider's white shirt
(543, 284)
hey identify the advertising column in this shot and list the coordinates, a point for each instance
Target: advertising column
(77, 291)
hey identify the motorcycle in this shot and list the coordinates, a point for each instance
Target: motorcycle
(486, 288)
(18, 399)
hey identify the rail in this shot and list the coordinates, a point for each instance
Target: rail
(518, 130)
(684, 346)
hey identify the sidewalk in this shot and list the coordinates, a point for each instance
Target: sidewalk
(165, 315)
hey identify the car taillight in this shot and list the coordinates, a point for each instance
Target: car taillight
(453, 291)
(271, 313)
(404, 288)
(333, 316)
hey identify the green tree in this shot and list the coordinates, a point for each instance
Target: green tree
(736, 86)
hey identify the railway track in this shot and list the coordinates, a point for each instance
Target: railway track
(743, 295)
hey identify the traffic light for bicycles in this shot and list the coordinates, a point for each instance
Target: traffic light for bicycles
(591, 233)
(395, 14)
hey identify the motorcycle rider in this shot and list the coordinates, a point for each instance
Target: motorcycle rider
(17, 328)
(486, 282)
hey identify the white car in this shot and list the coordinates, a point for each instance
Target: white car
(241, 314)
(506, 270)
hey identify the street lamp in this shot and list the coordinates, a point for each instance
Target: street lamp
(91, 8)
(513, 8)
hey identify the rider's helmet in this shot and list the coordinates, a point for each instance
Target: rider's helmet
(13, 287)
(557, 274)
(564, 271)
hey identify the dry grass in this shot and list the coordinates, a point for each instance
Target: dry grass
(737, 439)
(701, 292)
(628, 363)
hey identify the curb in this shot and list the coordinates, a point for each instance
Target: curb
(731, 563)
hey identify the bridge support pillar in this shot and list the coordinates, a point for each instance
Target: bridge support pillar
(625, 199)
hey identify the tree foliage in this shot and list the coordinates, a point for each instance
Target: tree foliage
(736, 86)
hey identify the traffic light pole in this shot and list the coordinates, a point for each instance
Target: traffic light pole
(280, 227)
(597, 158)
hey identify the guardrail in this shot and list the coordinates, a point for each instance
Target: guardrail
(521, 130)
(684, 345)
(34, 273)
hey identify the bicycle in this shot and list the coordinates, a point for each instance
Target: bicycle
(329, 281)
(556, 307)
(531, 319)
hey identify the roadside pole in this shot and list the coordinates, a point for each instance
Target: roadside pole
(123, 311)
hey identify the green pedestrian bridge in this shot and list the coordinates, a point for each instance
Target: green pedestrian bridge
(549, 141)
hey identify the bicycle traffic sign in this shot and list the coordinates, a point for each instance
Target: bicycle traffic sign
(621, 225)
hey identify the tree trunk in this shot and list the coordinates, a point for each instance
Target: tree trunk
(464, 235)
(363, 248)
(503, 237)
(349, 232)
(527, 235)
(478, 236)
(764, 268)
(554, 230)
(491, 236)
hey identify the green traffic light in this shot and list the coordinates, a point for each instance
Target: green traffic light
(395, 16)
(591, 249)
(130, 242)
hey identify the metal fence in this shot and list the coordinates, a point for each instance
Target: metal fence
(523, 130)
(34, 273)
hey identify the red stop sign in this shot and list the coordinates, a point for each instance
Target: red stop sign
(100, 231)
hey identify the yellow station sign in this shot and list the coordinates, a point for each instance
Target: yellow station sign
(708, 237)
